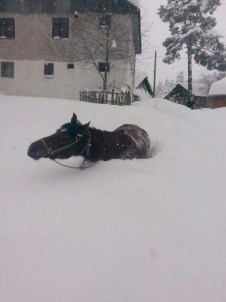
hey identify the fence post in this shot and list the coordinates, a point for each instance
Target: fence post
(112, 96)
(128, 98)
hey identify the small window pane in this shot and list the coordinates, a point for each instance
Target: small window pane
(48, 69)
(105, 21)
(64, 28)
(56, 29)
(70, 66)
(7, 69)
(103, 66)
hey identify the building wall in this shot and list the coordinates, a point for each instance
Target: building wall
(204, 102)
(29, 80)
(33, 46)
(218, 101)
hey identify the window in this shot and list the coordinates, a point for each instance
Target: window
(103, 66)
(48, 69)
(105, 21)
(7, 28)
(70, 66)
(7, 69)
(60, 28)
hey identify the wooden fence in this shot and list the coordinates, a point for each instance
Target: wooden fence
(106, 97)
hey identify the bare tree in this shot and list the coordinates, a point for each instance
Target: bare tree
(106, 37)
(210, 79)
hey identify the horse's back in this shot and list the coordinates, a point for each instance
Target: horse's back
(139, 137)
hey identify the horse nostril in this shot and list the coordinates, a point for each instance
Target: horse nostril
(31, 151)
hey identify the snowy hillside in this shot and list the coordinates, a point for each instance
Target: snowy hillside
(125, 231)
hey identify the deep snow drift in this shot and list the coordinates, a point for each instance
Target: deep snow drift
(125, 231)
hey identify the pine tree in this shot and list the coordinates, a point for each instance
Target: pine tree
(191, 26)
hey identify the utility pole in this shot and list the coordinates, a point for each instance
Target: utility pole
(155, 74)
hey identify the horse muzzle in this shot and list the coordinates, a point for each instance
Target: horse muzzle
(33, 153)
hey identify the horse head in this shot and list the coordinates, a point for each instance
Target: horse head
(70, 139)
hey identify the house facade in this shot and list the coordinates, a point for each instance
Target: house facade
(51, 48)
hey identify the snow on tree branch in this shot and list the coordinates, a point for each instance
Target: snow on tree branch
(191, 25)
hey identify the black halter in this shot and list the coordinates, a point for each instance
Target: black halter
(85, 149)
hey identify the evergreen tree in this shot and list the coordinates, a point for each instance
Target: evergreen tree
(191, 26)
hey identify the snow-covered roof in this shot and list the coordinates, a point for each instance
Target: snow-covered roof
(218, 88)
(135, 2)
(197, 89)
(139, 77)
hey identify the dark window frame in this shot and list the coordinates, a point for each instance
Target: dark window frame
(7, 69)
(49, 70)
(102, 66)
(105, 21)
(7, 28)
(70, 66)
(60, 28)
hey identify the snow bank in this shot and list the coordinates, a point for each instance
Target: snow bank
(141, 230)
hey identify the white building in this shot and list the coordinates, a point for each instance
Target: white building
(51, 48)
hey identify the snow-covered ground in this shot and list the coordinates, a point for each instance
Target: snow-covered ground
(126, 231)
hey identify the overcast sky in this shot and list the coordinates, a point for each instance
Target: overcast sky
(158, 33)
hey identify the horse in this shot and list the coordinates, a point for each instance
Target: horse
(75, 139)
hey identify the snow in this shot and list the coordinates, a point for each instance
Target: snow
(204, 5)
(135, 2)
(125, 231)
(218, 88)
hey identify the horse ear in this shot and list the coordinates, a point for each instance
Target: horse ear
(74, 118)
(86, 126)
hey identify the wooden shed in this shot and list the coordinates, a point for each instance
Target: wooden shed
(217, 94)
(180, 94)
